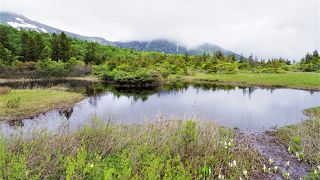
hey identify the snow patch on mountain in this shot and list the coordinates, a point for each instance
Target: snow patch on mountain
(43, 30)
(22, 25)
(19, 19)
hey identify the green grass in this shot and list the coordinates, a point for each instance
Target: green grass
(18, 104)
(160, 150)
(304, 137)
(301, 80)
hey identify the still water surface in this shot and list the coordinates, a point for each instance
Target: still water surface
(247, 108)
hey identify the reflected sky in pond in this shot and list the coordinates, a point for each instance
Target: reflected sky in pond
(246, 108)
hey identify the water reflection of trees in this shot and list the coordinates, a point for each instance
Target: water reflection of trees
(95, 90)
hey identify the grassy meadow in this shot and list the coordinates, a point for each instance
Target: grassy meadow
(161, 150)
(17, 104)
(299, 80)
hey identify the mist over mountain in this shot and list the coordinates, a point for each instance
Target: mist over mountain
(159, 45)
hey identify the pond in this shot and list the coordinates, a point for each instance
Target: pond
(243, 107)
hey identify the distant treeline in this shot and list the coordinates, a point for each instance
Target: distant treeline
(30, 52)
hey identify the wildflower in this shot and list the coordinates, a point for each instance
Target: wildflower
(245, 173)
(287, 163)
(286, 175)
(234, 163)
(275, 169)
(264, 168)
(315, 171)
(91, 165)
(221, 176)
(225, 145)
(270, 161)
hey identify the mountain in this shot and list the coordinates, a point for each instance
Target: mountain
(21, 22)
(171, 47)
(160, 45)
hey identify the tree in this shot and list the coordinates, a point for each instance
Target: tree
(61, 47)
(315, 54)
(186, 57)
(4, 38)
(65, 47)
(38, 47)
(5, 55)
(55, 47)
(91, 55)
(24, 47)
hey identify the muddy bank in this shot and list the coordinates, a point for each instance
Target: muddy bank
(269, 147)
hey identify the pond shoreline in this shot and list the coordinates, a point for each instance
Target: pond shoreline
(33, 103)
(286, 80)
(187, 78)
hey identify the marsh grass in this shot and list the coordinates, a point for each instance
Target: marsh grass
(304, 137)
(18, 104)
(163, 149)
(299, 80)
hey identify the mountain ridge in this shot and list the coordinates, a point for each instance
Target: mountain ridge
(159, 45)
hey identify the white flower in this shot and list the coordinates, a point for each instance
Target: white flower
(288, 163)
(221, 176)
(264, 168)
(275, 169)
(91, 165)
(315, 171)
(234, 163)
(229, 143)
(270, 161)
(245, 173)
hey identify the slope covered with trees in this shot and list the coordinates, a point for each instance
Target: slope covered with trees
(29, 53)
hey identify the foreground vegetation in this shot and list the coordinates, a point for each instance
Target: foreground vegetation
(18, 104)
(163, 149)
(28, 53)
(290, 79)
(303, 140)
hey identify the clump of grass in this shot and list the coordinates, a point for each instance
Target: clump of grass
(159, 150)
(14, 102)
(4, 90)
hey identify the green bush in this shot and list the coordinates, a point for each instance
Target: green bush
(51, 68)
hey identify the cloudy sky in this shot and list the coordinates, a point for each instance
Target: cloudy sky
(265, 28)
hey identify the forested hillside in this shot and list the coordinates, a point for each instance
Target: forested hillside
(30, 53)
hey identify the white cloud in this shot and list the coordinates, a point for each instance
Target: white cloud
(266, 28)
